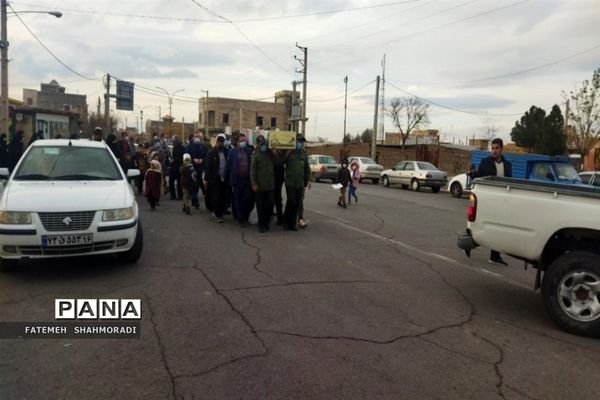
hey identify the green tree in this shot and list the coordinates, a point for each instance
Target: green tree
(347, 138)
(584, 112)
(366, 136)
(528, 130)
(553, 140)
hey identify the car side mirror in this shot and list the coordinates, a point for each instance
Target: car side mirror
(132, 173)
(4, 172)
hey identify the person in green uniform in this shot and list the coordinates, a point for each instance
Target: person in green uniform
(297, 178)
(262, 179)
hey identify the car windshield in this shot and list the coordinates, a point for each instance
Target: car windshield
(425, 166)
(367, 161)
(567, 173)
(68, 163)
(327, 160)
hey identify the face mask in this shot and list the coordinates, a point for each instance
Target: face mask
(196, 140)
(299, 146)
(227, 143)
(344, 165)
(243, 145)
(263, 147)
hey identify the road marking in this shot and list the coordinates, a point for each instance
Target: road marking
(490, 272)
(416, 250)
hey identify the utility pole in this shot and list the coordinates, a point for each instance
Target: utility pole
(107, 107)
(374, 135)
(4, 77)
(345, 109)
(294, 114)
(141, 121)
(382, 118)
(304, 64)
(207, 136)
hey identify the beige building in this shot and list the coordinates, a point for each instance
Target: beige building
(169, 127)
(234, 115)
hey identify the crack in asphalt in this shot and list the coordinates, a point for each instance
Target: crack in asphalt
(258, 254)
(299, 283)
(162, 346)
(543, 334)
(265, 349)
(496, 364)
(519, 392)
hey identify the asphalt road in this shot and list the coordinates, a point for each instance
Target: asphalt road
(370, 302)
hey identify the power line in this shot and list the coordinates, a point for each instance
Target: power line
(185, 19)
(243, 34)
(311, 14)
(507, 75)
(411, 22)
(342, 96)
(494, 10)
(449, 107)
(49, 51)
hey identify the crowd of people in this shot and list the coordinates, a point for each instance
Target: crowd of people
(232, 177)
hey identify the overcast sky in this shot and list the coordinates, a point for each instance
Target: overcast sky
(444, 51)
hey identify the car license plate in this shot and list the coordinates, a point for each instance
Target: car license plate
(66, 240)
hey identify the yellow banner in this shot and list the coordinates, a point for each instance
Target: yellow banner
(282, 139)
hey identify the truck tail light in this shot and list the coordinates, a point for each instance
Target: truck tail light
(472, 210)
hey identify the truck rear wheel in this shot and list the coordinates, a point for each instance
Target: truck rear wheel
(571, 291)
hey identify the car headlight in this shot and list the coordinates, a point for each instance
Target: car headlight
(117, 214)
(15, 218)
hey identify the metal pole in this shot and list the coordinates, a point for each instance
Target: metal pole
(304, 92)
(294, 116)
(207, 137)
(141, 120)
(107, 106)
(345, 109)
(374, 134)
(4, 62)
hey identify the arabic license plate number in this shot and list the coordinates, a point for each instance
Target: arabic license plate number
(66, 240)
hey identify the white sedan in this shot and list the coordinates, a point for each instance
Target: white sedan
(68, 198)
(415, 174)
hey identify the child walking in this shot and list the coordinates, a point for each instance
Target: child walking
(186, 172)
(344, 179)
(355, 181)
(153, 182)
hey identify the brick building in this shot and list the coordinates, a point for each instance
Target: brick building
(234, 115)
(170, 127)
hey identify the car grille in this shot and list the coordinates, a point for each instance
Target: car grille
(65, 250)
(78, 221)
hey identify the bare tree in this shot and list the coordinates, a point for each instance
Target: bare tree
(490, 127)
(408, 113)
(584, 113)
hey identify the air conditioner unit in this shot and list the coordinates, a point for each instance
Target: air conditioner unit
(66, 107)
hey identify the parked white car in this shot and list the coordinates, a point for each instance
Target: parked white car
(68, 198)
(459, 185)
(415, 174)
(369, 169)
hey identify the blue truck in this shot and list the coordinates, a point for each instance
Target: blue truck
(536, 167)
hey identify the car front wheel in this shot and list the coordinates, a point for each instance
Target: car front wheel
(386, 181)
(133, 254)
(571, 291)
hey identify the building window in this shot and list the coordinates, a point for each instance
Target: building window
(225, 118)
(211, 117)
(259, 121)
(29, 101)
(273, 122)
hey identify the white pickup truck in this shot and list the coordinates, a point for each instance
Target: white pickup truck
(553, 227)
